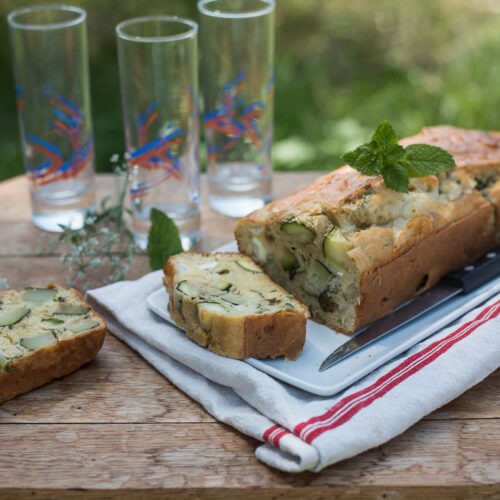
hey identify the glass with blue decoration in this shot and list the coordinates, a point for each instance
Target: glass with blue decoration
(237, 81)
(50, 62)
(158, 65)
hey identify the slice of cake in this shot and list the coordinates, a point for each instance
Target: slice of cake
(45, 333)
(227, 303)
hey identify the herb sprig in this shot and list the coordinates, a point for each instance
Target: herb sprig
(102, 251)
(104, 243)
(382, 155)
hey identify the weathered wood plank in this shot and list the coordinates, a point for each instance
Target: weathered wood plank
(19, 237)
(39, 271)
(297, 493)
(117, 387)
(210, 456)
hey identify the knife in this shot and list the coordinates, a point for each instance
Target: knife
(462, 281)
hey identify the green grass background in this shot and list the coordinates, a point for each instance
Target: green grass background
(342, 67)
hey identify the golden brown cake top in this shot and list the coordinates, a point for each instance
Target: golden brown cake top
(470, 148)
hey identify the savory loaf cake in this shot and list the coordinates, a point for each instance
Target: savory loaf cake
(45, 333)
(228, 304)
(352, 249)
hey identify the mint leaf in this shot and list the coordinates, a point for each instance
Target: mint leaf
(394, 153)
(363, 159)
(163, 239)
(396, 178)
(384, 156)
(423, 159)
(385, 135)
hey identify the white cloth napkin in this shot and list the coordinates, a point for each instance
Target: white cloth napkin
(301, 431)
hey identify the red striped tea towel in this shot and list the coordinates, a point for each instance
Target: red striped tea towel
(300, 431)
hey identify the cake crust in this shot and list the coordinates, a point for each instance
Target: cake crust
(378, 247)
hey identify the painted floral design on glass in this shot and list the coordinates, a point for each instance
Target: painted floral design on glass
(159, 155)
(72, 149)
(235, 118)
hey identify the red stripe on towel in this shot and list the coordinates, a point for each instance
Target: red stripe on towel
(349, 406)
(274, 434)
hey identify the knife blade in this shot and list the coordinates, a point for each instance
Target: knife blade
(461, 281)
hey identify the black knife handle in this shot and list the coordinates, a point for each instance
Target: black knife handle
(475, 275)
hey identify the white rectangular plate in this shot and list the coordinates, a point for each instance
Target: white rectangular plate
(321, 341)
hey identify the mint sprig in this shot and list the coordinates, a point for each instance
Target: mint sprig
(163, 239)
(395, 163)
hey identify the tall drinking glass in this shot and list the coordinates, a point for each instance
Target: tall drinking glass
(50, 60)
(159, 85)
(237, 54)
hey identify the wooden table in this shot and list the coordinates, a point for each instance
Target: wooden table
(118, 429)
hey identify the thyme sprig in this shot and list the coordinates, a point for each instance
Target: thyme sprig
(104, 241)
(102, 250)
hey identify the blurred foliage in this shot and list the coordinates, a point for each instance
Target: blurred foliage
(342, 67)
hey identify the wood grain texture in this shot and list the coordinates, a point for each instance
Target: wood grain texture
(206, 456)
(295, 493)
(118, 429)
(21, 271)
(18, 236)
(118, 386)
